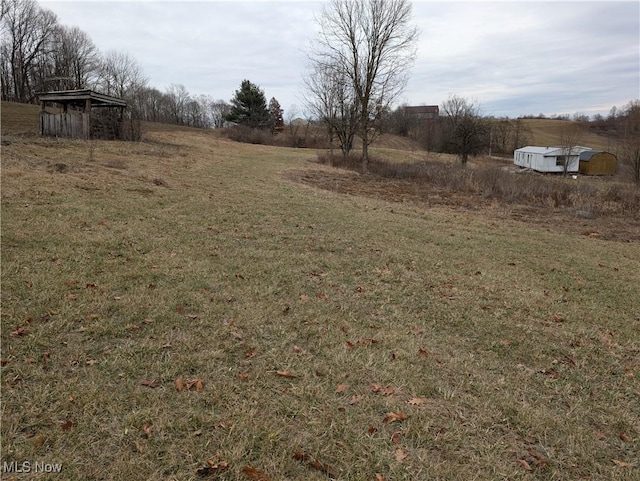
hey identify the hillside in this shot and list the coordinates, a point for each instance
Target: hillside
(23, 119)
(546, 132)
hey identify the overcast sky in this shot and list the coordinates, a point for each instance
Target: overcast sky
(513, 58)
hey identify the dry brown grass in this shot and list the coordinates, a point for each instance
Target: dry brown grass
(547, 132)
(308, 316)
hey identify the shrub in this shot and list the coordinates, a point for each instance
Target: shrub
(503, 184)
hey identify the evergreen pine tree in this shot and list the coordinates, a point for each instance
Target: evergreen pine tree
(275, 113)
(249, 106)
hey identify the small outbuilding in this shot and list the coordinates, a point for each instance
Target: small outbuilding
(548, 159)
(593, 162)
(81, 114)
(423, 112)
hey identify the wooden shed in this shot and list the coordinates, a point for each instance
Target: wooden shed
(597, 163)
(81, 114)
(423, 112)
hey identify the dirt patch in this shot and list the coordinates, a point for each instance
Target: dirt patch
(422, 193)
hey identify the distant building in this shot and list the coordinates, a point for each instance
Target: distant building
(426, 112)
(548, 159)
(597, 163)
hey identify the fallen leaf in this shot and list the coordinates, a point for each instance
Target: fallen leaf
(552, 373)
(525, 465)
(342, 388)
(152, 383)
(396, 437)
(212, 467)
(387, 391)
(38, 440)
(414, 401)
(132, 326)
(372, 429)
(139, 446)
(375, 387)
(417, 331)
(355, 399)
(304, 297)
(623, 464)
(91, 362)
(537, 458)
(624, 437)
(285, 373)
(380, 477)
(66, 425)
(20, 331)
(188, 385)
(392, 417)
(254, 474)
(423, 353)
(400, 455)
(148, 429)
(244, 376)
(315, 464)
(197, 433)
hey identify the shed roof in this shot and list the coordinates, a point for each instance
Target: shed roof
(77, 96)
(586, 156)
(422, 109)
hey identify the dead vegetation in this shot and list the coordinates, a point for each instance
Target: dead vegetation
(609, 209)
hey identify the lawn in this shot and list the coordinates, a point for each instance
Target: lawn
(185, 308)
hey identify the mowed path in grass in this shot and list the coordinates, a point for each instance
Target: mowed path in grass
(331, 335)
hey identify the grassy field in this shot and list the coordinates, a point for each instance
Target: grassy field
(186, 308)
(547, 132)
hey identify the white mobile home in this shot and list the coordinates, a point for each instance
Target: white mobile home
(548, 159)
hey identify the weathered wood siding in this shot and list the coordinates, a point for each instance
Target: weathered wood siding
(70, 124)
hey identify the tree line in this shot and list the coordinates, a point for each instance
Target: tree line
(38, 54)
(358, 67)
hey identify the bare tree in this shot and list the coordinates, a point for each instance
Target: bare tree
(570, 136)
(26, 31)
(520, 134)
(333, 100)
(372, 43)
(82, 59)
(631, 141)
(121, 75)
(218, 110)
(178, 98)
(465, 130)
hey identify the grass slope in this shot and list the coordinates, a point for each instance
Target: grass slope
(547, 132)
(176, 309)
